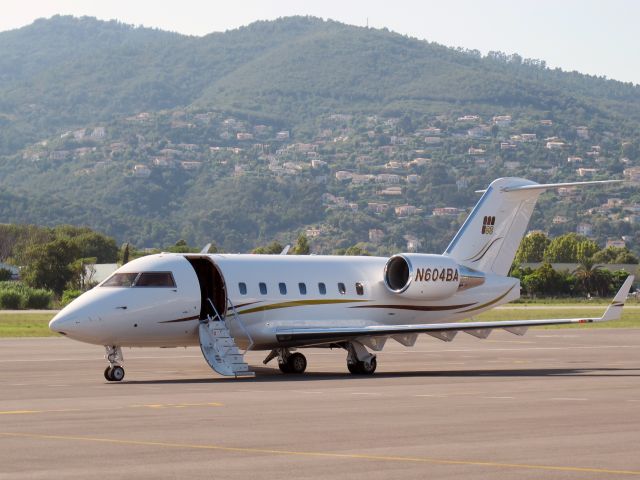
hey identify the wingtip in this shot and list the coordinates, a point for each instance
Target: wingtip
(614, 311)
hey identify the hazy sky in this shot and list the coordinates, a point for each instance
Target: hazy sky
(598, 37)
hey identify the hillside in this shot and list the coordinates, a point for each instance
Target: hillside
(296, 124)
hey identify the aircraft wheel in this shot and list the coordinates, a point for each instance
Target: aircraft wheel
(297, 363)
(363, 368)
(367, 368)
(284, 367)
(107, 374)
(117, 373)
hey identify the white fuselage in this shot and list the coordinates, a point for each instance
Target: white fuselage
(354, 295)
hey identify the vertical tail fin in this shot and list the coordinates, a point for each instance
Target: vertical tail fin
(489, 238)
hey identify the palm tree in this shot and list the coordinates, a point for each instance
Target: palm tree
(592, 277)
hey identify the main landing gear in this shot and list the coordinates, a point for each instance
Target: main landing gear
(288, 362)
(359, 360)
(114, 372)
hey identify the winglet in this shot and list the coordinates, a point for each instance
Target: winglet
(614, 310)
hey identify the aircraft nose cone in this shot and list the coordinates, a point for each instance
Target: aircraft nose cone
(61, 323)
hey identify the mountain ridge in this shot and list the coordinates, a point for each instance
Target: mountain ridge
(269, 129)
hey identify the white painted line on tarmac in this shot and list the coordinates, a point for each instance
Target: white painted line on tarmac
(500, 398)
(366, 393)
(570, 399)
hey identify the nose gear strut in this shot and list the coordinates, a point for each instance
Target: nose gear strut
(114, 372)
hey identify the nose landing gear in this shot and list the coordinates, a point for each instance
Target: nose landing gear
(114, 372)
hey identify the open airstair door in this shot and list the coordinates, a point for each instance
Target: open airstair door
(216, 342)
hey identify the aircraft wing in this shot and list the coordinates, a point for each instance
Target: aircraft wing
(406, 334)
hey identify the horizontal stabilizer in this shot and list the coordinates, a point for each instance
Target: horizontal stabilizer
(545, 186)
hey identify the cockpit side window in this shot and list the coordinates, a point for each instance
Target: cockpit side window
(144, 279)
(120, 280)
(155, 279)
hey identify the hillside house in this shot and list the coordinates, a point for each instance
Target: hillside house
(243, 136)
(476, 151)
(361, 179)
(469, 118)
(388, 178)
(502, 120)
(141, 171)
(98, 133)
(406, 210)
(190, 165)
(312, 232)
(582, 132)
(481, 131)
(413, 243)
(633, 174)
(377, 207)
(585, 172)
(315, 163)
(445, 211)
(616, 243)
(392, 191)
(343, 175)
(555, 145)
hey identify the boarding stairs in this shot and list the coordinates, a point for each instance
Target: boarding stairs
(219, 347)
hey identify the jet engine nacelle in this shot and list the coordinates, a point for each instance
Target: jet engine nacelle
(422, 276)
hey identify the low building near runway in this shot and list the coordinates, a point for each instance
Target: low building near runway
(95, 273)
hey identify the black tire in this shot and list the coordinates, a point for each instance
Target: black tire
(368, 368)
(284, 367)
(353, 368)
(107, 374)
(117, 373)
(297, 363)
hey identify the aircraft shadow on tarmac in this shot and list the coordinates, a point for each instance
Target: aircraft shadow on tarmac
(274, 375)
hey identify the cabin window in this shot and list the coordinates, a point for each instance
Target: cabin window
(155, 279)
(283, 288)
(359, 288)
(121, 280)
(243, 288)
(322, 288)
(342, 288)
(303, 288)
(263, 288)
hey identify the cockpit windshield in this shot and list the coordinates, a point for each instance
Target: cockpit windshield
(143, 279)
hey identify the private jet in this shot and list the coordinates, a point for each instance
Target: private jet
(230, 304)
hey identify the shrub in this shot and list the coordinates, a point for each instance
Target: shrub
(5, 274)
(68, 296)
(10, 299)
(37, 298)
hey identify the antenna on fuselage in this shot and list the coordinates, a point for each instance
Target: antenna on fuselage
(285, 250)
(206, 248)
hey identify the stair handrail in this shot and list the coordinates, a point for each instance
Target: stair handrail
(216, 311)
(241, 323)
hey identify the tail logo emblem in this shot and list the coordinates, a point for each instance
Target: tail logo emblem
(487, 225)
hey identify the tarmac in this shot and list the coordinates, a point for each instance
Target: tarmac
(554, 404)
